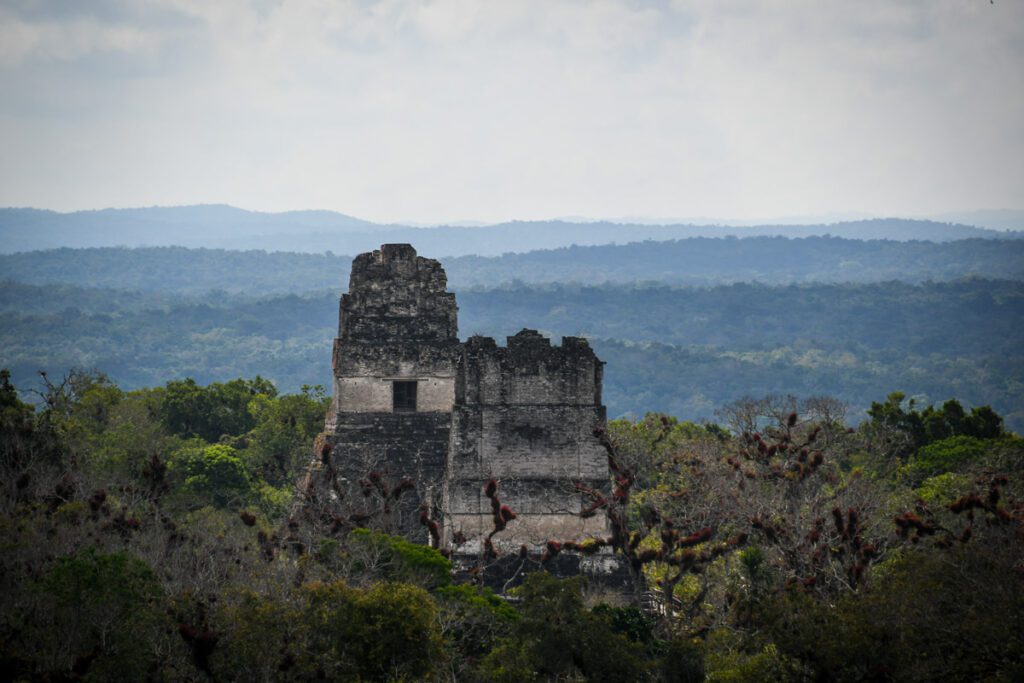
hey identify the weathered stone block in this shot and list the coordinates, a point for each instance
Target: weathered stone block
(523, 414)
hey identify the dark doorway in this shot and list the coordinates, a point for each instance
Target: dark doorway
(404, 397)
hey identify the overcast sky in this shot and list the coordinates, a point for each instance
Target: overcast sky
(448, 110)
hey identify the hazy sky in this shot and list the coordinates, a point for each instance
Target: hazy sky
(504, 109)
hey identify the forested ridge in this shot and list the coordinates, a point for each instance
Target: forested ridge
(695, 261)
(221, 226)
(158, 534)
(682, 350)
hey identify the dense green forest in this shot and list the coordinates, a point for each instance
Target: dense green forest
(157, 534)
(775, 260)
(698, 261)
(154, 525)
(682, 350)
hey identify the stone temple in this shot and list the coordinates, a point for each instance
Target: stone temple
(415, 411)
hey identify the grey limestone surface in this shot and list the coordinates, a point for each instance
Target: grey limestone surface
(523, 414)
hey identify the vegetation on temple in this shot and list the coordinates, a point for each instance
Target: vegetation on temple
(149, 534)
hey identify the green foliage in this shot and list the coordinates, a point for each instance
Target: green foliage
(925, 615)
(387, 632)
(767, 665)
(331, 631)
(473, 619)
(129, 435)
(16, 428)
(943, 489)
(892, 415)
(799, 636)
(629, 621)
(278, 444)
(274, 501)
(651, 442)
(983, 423)
(948, 455)
(558, 637)
(733, 665)
(477, 598)
(267, 634)
(9, 397)
(755, 568)
(63, 420)
(934, 424)
(396, 559)
(509, 662)
(104, 574)
(943, 615)
(214, 473)
(107, 603)
(117, 581)
(188, 409)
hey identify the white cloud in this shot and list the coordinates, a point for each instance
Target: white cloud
(452, 109)
(22, 41)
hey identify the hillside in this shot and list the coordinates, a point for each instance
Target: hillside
(226, 227)
(682, 350)
(696, 261)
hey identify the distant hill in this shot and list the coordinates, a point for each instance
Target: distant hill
(696, 261)
(776, 260)
(226, 227)
(995, 219)
(195, 226)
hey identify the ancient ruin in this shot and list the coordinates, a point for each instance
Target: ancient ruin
(421, 422)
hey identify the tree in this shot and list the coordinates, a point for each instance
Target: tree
(98, 613)
(558, 638)
(188, 409)
(19, 442)
(277, 446)
(213, 473)
(920, 428)
(387, 632)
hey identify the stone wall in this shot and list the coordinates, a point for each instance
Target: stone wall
(394, 446)
(524, 415)
(396, 323)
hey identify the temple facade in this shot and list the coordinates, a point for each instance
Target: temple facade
(422, 424)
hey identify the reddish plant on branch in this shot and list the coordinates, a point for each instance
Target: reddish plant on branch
(506, 514)
(432, 527)
(378, 482)
(551, 549)
(501, 515)
(911, 526)
(201, 642)
(402, 486)
(701, 536)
